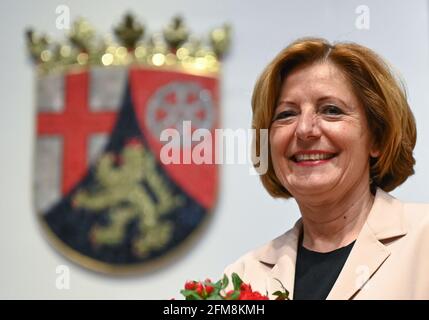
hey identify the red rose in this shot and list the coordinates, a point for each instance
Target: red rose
(200, 289)
(209, 289)
(250, 295)
(245, 287)
(190, 285)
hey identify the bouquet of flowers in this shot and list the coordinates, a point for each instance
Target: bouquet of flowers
(208, 290)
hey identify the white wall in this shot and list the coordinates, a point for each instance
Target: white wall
(245, 216)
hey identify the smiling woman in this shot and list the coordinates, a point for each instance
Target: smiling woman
(341, 135)
(319, 135)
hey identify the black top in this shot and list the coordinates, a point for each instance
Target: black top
(317, 272)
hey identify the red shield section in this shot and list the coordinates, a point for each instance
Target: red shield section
(164, 100)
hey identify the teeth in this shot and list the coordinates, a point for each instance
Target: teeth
(313, 157)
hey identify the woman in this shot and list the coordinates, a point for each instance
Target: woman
(341, 135)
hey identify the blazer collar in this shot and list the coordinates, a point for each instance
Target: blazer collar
(385, 221)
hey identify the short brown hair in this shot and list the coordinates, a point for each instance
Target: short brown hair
(383, 97)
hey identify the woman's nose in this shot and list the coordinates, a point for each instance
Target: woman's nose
(307, 126)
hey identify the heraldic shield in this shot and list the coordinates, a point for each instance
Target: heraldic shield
(103, 195)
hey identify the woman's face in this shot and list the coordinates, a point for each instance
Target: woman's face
(319, 135)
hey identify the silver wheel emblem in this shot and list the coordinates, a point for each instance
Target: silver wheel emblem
(177, 102)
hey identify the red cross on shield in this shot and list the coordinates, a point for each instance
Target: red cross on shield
(73, 126)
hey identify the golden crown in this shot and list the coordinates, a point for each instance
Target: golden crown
(174, 47)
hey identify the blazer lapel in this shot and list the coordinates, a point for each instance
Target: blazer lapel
(366, 256)
(385, 221)
(283, 260)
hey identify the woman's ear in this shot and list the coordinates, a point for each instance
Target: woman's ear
(374, 152)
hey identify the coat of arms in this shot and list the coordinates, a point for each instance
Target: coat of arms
(102, 193)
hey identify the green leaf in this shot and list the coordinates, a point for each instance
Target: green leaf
(217, 285)
(285, 290)
(216, 291)
(236, 281)
(281, 295)
(234, 296)
(225, 282)
(186, 292)
(215, 297)
(190, 295)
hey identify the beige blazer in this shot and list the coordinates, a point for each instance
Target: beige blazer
(390, 259)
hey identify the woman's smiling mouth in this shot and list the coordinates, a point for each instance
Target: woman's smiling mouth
(312, 157)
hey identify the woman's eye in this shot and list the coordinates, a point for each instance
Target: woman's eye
(331, 110)
(284, 115)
